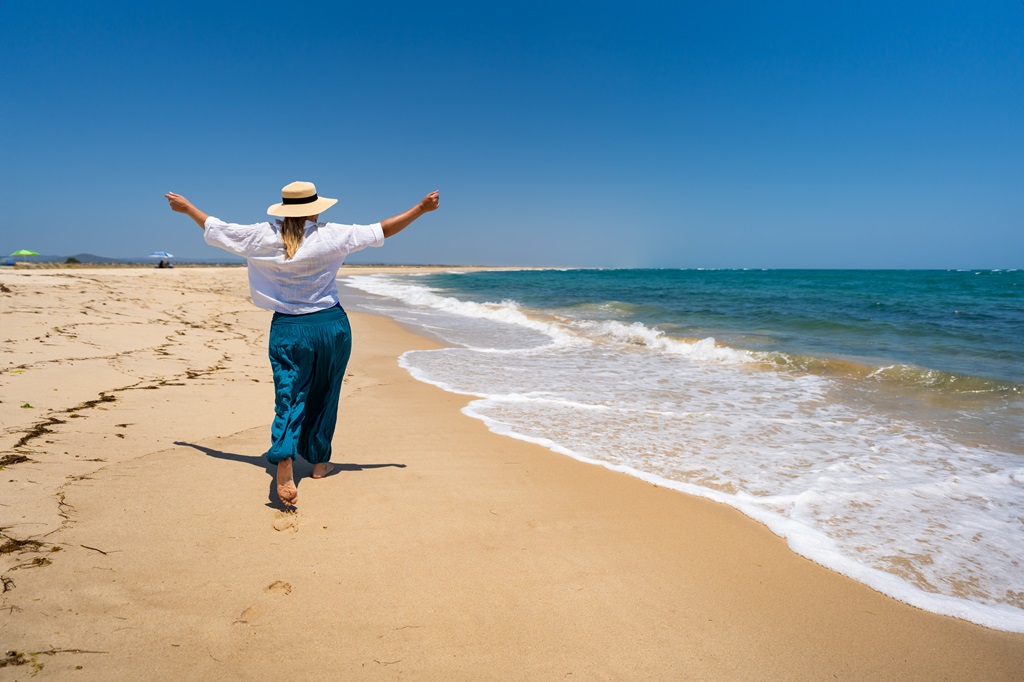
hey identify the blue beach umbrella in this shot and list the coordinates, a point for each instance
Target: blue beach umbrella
(161, 254)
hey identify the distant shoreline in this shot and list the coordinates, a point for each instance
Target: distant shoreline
(347, 266)
(106, 266)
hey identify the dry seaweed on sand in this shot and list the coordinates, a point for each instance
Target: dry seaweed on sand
(12, 458)
(12, 545)
(12, 658)
(35, 563)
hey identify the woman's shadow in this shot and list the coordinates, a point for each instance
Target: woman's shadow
(302, 468)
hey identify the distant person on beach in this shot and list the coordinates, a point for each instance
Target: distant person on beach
(292, 265)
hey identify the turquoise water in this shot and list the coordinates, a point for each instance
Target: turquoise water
(967, 323)
(875, 419)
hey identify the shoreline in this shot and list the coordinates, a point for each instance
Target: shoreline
(896, 565)
(439, 549)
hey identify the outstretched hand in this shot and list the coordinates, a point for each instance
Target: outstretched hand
(180, 204)
(396, 224)
(431, 201)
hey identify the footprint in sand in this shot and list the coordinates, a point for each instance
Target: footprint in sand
(286, 521)
(252, 615)
(278, 587)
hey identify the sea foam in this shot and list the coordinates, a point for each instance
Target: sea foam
(888, 501)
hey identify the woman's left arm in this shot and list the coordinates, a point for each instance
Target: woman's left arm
(180, 204)
(396, 224)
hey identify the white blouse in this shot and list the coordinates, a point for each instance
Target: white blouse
(304, 284)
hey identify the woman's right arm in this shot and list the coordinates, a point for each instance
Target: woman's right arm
(180, 204)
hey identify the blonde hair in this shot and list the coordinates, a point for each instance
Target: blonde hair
(291, 233)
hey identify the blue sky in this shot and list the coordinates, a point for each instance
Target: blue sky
(665, 134)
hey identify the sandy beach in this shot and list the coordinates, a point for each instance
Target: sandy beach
(142, 538)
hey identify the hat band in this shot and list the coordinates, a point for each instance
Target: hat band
(300, 200)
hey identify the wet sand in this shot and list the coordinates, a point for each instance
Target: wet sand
(142, 538)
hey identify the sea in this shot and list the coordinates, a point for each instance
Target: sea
(873, 419)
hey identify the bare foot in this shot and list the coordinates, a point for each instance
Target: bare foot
(286, 489)
(321, 470)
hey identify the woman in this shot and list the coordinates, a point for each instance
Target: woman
(292, 268)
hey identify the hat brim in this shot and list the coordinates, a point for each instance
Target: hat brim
(301, 210)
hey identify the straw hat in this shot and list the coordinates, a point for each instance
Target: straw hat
(299, 199)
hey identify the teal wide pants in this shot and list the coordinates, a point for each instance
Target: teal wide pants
(309, 354)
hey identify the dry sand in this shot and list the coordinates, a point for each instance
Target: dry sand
(142, 538)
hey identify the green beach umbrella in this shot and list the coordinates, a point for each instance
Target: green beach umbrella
(24, 252)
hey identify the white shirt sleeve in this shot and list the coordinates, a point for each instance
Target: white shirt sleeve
(236, 239)
(352, 238)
